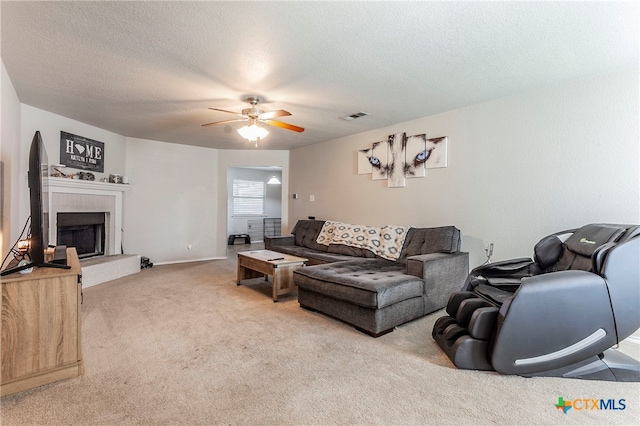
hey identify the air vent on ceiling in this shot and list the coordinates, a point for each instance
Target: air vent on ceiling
(354, 116)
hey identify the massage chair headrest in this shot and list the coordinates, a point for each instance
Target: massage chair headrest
(587, 239)
(583, 243)
(581, 246)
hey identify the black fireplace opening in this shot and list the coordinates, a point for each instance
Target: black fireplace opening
(84, 231)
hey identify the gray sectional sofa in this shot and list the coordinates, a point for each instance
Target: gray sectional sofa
(371, 293)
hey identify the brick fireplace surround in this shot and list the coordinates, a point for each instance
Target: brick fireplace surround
(71, 195)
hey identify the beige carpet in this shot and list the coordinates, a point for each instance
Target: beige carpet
(183, 345)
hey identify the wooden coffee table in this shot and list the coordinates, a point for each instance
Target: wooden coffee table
(258, 263)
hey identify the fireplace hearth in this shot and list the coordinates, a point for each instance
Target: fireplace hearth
(84, 231)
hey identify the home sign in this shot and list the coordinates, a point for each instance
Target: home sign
(81, 153)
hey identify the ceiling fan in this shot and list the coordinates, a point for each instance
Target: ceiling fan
(255, 115)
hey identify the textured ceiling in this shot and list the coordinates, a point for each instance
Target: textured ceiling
(151, 69)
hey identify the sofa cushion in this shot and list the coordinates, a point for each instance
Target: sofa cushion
(314, 257)
(444, 239)
(350, 251)
(306, 233)
(373, 283)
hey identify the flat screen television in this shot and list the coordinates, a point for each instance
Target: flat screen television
(39, 204)
(38, 170)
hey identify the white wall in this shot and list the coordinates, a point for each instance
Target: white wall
(179, 198)
(519, 168)
(272, 199)
(50, 125)
(172, 201)
(10, 153)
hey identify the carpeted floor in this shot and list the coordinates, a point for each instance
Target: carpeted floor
(182, 344)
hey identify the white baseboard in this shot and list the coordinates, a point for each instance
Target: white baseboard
(173, 262)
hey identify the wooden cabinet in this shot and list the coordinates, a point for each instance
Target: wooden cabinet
(41, 334)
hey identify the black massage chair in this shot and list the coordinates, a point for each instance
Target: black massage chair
(557, 314)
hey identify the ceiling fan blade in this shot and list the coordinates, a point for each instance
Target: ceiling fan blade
(224, 121)
(225, 110)
(272, 114)
(284, 125)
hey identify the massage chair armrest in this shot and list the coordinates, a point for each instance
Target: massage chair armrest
(285, 240)
(442, 273)
(512, 268)
(620, 267)
(553, 320)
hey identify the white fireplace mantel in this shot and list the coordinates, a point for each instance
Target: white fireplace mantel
(75, 186)
(100, 194)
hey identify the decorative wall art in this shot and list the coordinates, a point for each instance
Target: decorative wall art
(364, 166)
(396, 160)
(378, 160)
(401, 157)
(437, 148)
(81, 153)
(416, 156)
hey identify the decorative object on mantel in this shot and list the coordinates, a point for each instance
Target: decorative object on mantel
(86, 176)
(59, 170)
(115, 178)
(81, 153)
(401, 157)
(60, 184)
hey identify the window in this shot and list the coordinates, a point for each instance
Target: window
(248, 198)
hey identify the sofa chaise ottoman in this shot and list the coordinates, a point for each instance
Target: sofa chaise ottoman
(375, 294)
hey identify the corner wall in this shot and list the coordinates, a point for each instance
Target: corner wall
(10, 152)
(170, 211)
(519, 168)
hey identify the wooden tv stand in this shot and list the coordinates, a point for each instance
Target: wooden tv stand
(41, 333)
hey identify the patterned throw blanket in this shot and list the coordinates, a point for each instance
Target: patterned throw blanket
(384, 241)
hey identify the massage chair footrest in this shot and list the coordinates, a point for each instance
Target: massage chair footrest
(463, 350)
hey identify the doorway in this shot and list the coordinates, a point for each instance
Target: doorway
(254, 201)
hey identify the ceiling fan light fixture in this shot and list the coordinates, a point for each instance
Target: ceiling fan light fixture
(253, 132)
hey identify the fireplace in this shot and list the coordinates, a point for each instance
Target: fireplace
(106, 201)
(84, 231)
(80, 196)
